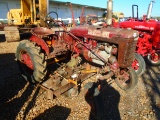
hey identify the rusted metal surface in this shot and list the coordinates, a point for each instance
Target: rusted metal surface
(42, 31)
(63, 89)
(48, 86)
(111, 35)
(109, 32)
(105, 77)
(63, 75)
(40, 42)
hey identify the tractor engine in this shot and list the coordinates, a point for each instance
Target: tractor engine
(98, 54)
(105, 45)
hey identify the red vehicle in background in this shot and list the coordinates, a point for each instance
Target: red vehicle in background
(148, 44)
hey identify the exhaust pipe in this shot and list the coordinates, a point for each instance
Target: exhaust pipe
(133, 11)
(149, 10)
(109, 12)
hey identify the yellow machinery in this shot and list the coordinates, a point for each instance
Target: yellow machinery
(31, 14)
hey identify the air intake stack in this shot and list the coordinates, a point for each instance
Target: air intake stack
(109, 12)
(149, 10)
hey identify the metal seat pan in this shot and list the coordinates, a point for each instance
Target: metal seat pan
(42, 31)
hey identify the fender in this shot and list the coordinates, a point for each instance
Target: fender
(40, 42)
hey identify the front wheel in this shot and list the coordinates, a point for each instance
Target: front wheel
(139, 64)
(31, 61)
(127, 79)
(154, 59)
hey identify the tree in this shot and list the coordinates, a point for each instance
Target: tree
(105, 14)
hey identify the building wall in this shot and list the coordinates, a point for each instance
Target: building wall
(6, 5)
(62, 9)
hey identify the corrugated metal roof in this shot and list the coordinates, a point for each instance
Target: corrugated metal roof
(60, 2)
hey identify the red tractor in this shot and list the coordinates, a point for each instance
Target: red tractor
(138, 64)
(148, 44)
(87, 50)
(78, 54)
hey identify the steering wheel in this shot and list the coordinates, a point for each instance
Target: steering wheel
(50, 21)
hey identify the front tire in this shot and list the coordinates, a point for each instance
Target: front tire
(31, 61)
(139, 64)
(127, 79)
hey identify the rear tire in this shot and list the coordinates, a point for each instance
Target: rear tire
(31, 61)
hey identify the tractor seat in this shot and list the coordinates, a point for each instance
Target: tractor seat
(42, 31)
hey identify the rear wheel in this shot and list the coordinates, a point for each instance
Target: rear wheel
(127, 79)
(154, 59)
(139, 64)
(31, 61)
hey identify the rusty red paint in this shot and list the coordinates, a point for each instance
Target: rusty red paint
(135, 65)
(26, 59)
(40, 42)
(155, 57)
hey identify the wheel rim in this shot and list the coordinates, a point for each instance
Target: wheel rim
(125, 79)
(154, 57)
(26, 59)
(135, 65)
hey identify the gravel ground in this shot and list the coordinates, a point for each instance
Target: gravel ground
(20, 100)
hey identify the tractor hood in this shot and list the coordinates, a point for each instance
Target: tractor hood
(140, 25)
(109, 32)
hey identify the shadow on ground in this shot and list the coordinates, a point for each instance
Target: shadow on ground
(10, 80)
(8, 67)
(111, 98)
(54, 113)
(151, 79)
(104, 106)
(22, 37)
(10, 108)
(14, 90)
(2, 38)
